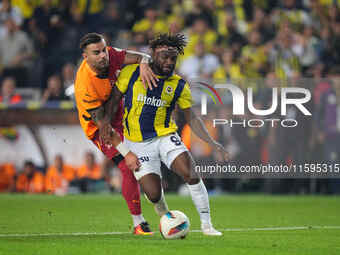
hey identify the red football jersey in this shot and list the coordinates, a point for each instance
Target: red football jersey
(116, 60)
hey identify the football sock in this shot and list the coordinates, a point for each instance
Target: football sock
(161, 206)
(137, 219)
(200, 198)
(130, 189)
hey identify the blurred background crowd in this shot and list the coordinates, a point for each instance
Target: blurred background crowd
(252, 43)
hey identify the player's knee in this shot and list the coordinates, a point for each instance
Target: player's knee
(154, 197)
(186, 177)
(191, 180)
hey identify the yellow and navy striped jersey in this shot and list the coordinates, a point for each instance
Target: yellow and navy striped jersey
(147, 113)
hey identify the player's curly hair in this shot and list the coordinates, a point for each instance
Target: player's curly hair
(177, 41)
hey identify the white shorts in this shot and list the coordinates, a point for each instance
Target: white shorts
(151, 152)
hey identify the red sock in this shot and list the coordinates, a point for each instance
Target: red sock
(130, 189)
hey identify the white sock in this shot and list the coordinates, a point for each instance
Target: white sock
(137, 219)
(161, 207)
(199, 195)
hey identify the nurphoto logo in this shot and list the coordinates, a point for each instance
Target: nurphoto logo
(240, 101)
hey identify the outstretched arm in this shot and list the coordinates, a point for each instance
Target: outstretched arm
(147, 76)
(135, 57)
(197, 126)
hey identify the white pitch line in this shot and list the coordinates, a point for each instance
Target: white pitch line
(273, 228)
(65, 234)
(121, 233)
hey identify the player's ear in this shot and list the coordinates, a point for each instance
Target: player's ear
(84, 55)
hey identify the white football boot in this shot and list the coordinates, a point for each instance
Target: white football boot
(209, 230)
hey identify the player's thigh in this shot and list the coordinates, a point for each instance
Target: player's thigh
(183, 165)
(170, 146)
(176, 157)
(148, 157)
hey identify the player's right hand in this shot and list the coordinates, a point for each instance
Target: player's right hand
(132, 161)
(106, 134)
(149, 79)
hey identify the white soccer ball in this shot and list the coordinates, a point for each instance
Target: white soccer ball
(174, 225)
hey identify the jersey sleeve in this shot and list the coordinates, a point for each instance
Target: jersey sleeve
(185, 99)
(87, 96)
(91, 100)
(118, 55)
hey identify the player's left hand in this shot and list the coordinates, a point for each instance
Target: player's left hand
(221, 150)
(132, 161)
(149, 79)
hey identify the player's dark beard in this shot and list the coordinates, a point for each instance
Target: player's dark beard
(158, 69)
(103, 70)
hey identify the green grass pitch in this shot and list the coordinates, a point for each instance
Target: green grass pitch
(251, 224)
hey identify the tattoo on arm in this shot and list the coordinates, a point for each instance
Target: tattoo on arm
(97, 115)
(105, 113)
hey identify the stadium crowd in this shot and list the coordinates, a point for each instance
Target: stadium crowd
(59, 178)
(259, 44)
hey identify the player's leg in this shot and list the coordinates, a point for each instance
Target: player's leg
(149, 174)
(130, 187)
(130, 190)
(179, 160)
(131, 194)
(151, 184)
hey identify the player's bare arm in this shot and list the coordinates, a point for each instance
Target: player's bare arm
(146, 74)
(102, 120)
(198, 127)
(116, 96)
(111, 137)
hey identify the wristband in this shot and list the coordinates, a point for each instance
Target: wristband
(122, 149)
(145, 60)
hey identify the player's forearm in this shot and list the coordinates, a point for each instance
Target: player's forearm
(102, 122)
(99, 117)
(135, 57)
(106, 133)
(200, 130)
(111, 106)
(115, 138)
(197, 126)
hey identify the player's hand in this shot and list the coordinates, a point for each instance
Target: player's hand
(106, 134)
(223, 153)
(132, 161)
(149, 79)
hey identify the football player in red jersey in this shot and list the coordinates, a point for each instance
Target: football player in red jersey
(95, 78)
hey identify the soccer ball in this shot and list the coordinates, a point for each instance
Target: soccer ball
(174, 225)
